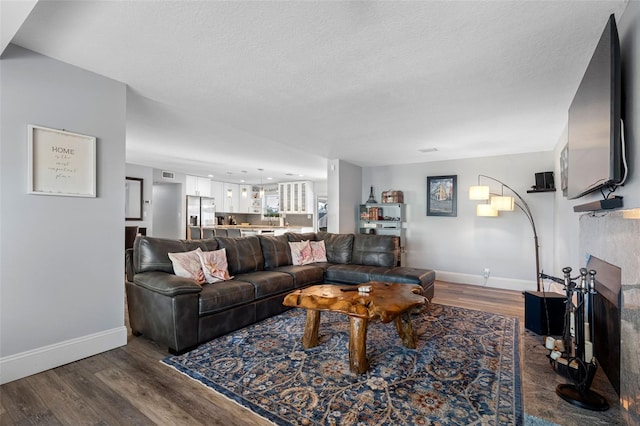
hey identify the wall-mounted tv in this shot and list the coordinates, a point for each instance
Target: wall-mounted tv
(596, 151)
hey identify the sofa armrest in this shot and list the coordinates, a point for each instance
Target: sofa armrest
(128, 264)
(166, 284)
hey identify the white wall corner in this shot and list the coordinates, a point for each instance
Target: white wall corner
(34, 361)
(12, 16)
(492, 282)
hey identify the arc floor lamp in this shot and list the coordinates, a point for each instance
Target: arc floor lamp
(500, 202)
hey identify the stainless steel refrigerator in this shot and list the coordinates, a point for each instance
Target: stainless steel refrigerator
(201, 211)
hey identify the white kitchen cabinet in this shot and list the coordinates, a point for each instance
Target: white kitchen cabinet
(230, 197)
(217, 192)
(296, 197)
(245, 199)
(197, 185)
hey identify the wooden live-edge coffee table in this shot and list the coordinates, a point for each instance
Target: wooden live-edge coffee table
(387, 301)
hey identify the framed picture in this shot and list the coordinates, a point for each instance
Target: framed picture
(133, 198)
(564, 170)
(442, 195)
(61, 163)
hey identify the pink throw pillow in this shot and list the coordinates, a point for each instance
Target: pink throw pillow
(318, 251)
(301, 253)
(214, 265)
(187, 265)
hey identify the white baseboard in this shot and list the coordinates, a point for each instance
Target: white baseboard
(493, 282)
(34, 361)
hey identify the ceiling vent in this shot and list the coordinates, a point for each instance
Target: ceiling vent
(428, 150)
(168, 175)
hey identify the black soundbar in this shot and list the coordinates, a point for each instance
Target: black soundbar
(606, 204)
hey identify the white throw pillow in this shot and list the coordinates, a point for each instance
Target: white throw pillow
(301, 253)
(214, 265)
(187, 265)
(318, 251)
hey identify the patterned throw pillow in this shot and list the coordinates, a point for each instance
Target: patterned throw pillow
(187, 264)
(214, 265)
(318, 251)
(301, 253)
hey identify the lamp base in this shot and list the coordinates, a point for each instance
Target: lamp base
(588, 399)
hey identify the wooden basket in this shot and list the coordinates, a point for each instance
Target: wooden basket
(392, 196)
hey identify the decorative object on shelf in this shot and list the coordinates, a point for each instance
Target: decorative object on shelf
(392, 196)
(442, 195)
(61, 163)
(372, 198)
(500, 202)
(573, 355)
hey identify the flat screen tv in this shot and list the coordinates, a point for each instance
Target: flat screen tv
(595, 153)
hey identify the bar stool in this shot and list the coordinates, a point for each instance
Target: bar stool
(234, 232)
(195, 233)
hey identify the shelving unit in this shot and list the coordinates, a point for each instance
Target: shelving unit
(383, 219)
(532, 191)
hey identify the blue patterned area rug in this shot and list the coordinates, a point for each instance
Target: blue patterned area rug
(464, 371)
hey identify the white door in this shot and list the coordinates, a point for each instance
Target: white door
(167, 217)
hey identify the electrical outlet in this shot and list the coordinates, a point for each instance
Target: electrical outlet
(486, 273)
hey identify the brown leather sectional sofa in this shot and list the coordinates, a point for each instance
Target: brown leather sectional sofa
(181, 314)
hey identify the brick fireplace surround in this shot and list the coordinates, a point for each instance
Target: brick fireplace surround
(616, 239)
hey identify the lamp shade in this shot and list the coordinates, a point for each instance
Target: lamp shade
(486, 210)
(503, 203)
(479, 192)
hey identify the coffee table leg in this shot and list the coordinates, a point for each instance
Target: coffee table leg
(310, 337)
(405, 330)
(358, 345)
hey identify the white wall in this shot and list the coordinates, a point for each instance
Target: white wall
(61, 258)
(344, 181)
(459, 248)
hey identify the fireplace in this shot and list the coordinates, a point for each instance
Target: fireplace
(615, 240)
(605, 315)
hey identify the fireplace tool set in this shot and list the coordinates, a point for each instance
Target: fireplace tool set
(572, 356)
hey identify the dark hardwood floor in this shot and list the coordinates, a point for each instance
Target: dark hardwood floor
(129, 385)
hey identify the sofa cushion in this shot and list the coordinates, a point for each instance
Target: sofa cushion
(275, 251)
(405, 274)
(224, 295)
(243, 254)
(352, 274)
(339, 246)
(152, 254)
(375, 250)
(303, 275)
(297, 237)
(267, 283)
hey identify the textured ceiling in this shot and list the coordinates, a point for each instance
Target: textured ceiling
(221, 87)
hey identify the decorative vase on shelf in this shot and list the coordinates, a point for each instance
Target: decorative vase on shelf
(372, 199)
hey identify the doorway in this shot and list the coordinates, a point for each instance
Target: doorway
(322, 213)
(166, 220)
